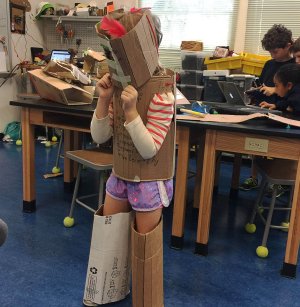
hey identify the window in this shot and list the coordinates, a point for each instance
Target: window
(262, 14)
(212, 22)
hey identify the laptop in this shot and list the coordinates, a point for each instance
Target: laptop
(236, 103)
(61, 55)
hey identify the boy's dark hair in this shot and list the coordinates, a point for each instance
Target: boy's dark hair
(288, 73)
(296, 45)
(277, 37)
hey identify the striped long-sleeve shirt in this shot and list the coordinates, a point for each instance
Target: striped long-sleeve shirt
(159, 117)
(147, 139)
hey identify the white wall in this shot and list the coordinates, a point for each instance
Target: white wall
(20, 46)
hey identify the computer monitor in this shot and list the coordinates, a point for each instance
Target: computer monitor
(61, 55)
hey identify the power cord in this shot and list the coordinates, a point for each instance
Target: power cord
(16, 67)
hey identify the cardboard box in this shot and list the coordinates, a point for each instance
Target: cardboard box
(91, 59)
(109, 267)
(147, 268)
(134, 55)
(66, 71)
(58, 90)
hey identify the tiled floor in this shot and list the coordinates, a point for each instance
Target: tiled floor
(44, 264)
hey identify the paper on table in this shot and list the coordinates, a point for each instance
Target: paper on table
(284, 120)
(222, 118)
(3, 67)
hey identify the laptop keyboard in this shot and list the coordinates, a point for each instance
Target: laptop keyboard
(225, 108)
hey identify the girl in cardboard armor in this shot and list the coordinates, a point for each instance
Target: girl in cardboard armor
(136, 107)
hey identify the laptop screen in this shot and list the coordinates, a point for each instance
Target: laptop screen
(231, 93)
(61, 55)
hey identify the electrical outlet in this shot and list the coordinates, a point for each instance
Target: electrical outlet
(254, 144)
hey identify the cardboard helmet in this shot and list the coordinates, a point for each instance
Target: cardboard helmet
(42, 8)
(132, 57)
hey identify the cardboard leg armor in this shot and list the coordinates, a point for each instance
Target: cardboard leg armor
(147, 268)
(109, 267)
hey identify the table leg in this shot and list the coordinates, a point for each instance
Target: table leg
(289, 267)
(68, 164)
(199, 167)
(28, 152)
(183, 138)
(207, 185)
(235, 180)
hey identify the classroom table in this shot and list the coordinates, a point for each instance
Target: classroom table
(280, 142)
(73, 119)
(212, 137)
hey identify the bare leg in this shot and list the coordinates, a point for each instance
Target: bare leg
(147, 221)
(114, 206)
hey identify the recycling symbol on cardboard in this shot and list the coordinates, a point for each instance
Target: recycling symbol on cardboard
(93, 270)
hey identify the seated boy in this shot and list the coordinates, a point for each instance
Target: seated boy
(278, 41)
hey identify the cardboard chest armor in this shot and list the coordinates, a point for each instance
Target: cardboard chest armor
(128, 163)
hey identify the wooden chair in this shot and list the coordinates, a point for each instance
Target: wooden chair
(94, 159)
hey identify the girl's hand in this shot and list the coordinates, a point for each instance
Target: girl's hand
(267, 105)
(129, 99)
(105, 88)
(267, 90)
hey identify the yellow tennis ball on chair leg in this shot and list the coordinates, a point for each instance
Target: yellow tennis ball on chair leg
(19, 142)
(55, 170)
(250, 228)
(262, 252)
(54, 138)
(48, 144)
(68, 221)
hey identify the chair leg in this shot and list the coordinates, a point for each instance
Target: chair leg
(75, 190)
(59, 150)
(269, 218)
(290, 200)
(258, 200)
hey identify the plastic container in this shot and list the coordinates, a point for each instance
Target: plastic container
(191, 77)
(191, 92)
(253, 63)
(192, 60)
(243, 82)
(233, 62)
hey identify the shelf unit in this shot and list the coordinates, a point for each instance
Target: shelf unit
(83, 28)
(72, 18)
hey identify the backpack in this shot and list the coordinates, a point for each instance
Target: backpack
(13, 131)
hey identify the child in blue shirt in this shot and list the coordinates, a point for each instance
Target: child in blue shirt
(287, 86)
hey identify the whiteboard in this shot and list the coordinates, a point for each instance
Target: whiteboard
(5, 50)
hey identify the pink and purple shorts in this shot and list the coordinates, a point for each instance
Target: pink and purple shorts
(142, 196)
